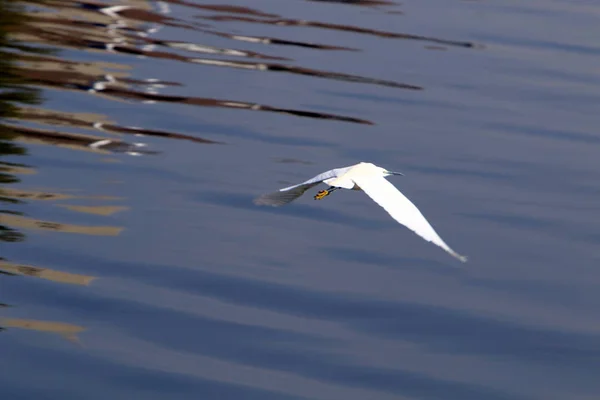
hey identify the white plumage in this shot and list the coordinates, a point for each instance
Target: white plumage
(371, 179)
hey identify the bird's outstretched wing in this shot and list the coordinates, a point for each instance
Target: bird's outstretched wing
(401, 209)
(291, 193)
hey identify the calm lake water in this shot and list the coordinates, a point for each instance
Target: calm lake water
(135, 135)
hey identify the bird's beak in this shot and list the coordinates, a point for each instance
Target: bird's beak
(395, 173)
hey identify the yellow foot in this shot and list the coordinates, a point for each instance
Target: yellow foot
(321, 194)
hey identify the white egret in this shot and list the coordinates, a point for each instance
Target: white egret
(370, 179)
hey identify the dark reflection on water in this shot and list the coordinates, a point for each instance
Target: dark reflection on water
(263, 66)
(134, 262)
(339, 27)
(122, 38)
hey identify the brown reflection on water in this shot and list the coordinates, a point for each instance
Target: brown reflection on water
(111, 86)
(208, 102)
(75, 13)
(72, 24)
(273, 67)
(198, 48)
(67, 331)
(8, 169)
(106, 28)
(20, 102)
(253, 66)
(97, 123)
(96, 144)
(23, 222)
(95, 210)
(17, 194)
(97, 32)
(45, 273)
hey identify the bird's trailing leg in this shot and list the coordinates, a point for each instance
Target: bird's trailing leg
(324, 193)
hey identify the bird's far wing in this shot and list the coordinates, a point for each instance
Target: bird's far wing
(282, 196)
(291, 193)
(401, 209)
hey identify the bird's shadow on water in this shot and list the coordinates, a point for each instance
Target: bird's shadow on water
(298, 210)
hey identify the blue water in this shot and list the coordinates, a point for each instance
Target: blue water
(191, 291)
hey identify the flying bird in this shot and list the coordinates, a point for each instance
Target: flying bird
(370, 179)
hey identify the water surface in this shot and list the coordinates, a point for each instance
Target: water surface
(135, 135)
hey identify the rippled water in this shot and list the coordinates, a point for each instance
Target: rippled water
(135, 135)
